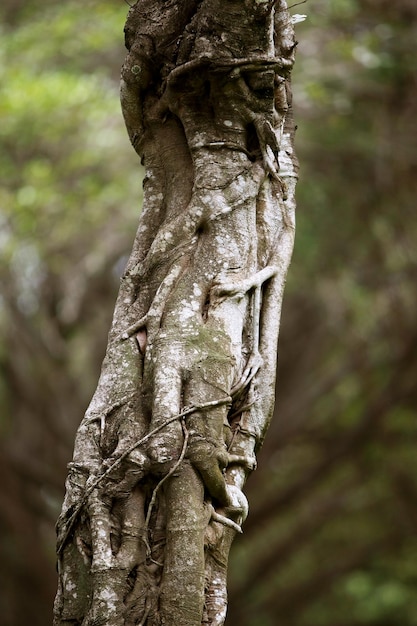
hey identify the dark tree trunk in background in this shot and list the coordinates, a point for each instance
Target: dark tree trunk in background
(154, 491)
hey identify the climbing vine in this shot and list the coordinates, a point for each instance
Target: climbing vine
(154, 491)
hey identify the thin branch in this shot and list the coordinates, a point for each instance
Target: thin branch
(296, 4)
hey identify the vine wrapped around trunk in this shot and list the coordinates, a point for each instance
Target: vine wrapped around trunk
(154, 491)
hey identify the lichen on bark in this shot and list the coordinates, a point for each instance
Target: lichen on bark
(154, 491)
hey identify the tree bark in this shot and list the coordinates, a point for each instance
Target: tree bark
(154, 491)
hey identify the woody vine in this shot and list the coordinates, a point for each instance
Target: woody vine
(154, 491)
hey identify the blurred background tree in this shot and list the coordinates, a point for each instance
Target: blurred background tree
(331, 536)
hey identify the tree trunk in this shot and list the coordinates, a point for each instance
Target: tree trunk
(154, 492)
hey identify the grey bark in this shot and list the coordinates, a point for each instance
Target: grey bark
(154, 491)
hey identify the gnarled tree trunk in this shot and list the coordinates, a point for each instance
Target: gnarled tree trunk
(154, 491)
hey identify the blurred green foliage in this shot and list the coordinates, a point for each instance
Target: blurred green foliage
(331, 537)
(69, 177)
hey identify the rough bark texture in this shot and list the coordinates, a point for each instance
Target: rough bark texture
(154, 491)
